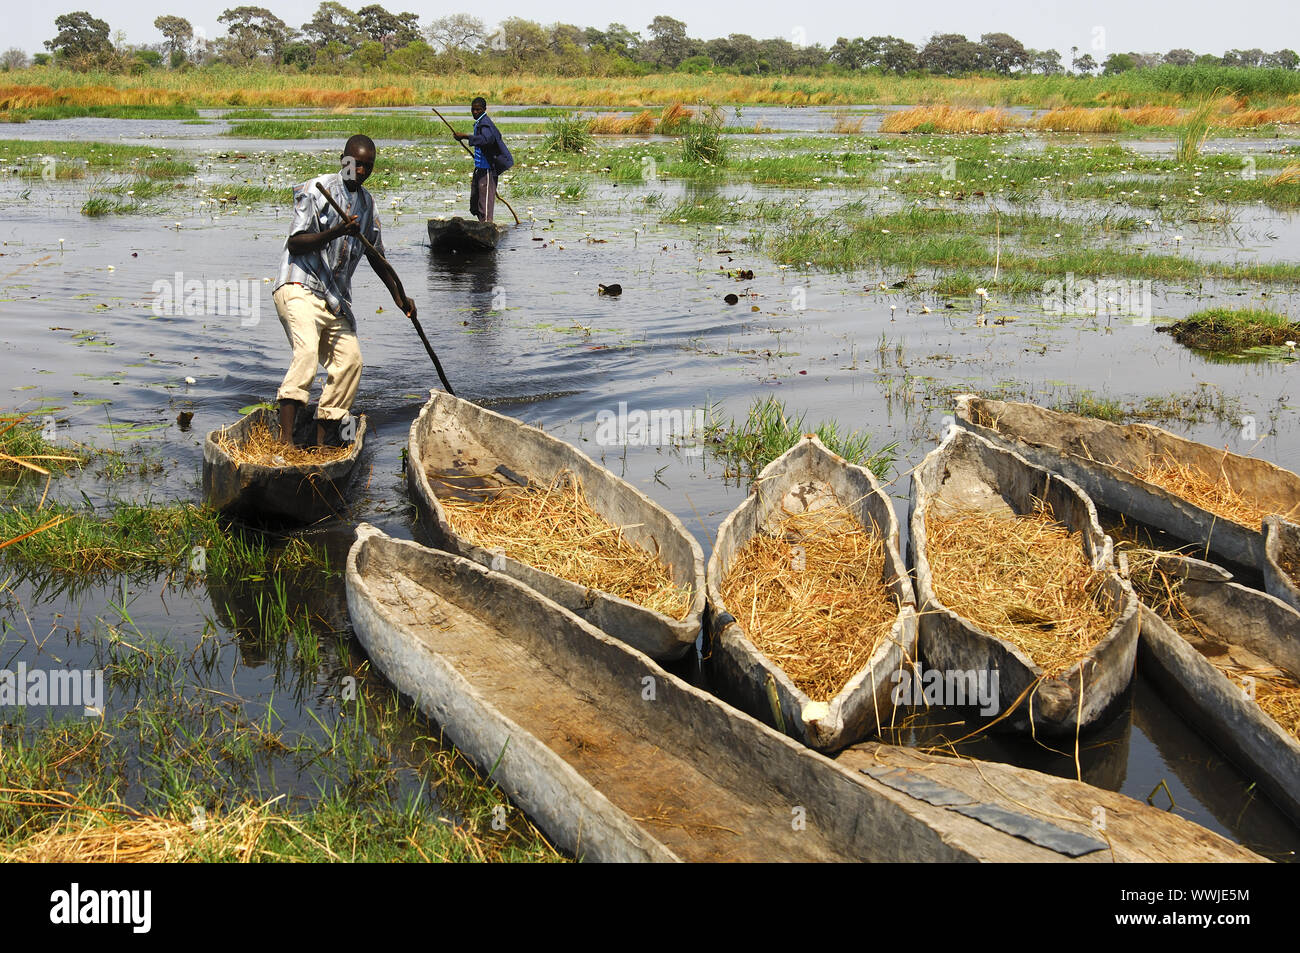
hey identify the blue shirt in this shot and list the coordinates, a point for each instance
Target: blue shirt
(327, 272)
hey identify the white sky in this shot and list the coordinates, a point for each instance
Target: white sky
(1098, 26)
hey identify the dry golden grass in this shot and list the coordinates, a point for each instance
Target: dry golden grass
(556, 530)
(31, 96)
(107, 835)
(950, 119)
(642, 123)
(1105, 119)
(1024, 579)
(820, 623)
(843, 124)
(1288, 176)
(673, 119)
(1214, 494)
(263, 448)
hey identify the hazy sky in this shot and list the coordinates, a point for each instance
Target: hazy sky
(1102, 26)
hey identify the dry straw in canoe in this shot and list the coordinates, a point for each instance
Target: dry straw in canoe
(264, 448)
(811, 597)
(1024, 579)
(556, 530)
(1214, 494)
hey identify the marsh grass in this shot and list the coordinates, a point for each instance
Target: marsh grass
(1233, 329)
(1195, 128)
(568, 134)
(702, 139)
(769, 430)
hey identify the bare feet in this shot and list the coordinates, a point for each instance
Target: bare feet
(288, 411)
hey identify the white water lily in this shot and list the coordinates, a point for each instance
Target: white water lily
(190, 380)
(982, 292)
(1291, 345)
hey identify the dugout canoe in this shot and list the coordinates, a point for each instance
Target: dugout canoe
(968, 472)
(1252, 629)
(806, 478)
(457, 447)
(285, 494)
(616, 759)
(462, 235)
(1281, 554)
(1103, 459)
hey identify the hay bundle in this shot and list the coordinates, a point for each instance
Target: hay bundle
(1214, 494)
(819, 612)
(1024, 579)
(262, 447)
(556, 530)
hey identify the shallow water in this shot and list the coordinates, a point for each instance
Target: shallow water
(526, 332)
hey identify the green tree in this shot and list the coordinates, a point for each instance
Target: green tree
(1002, 53)
(1046, 62)
(251, 33)
(950, 54)
(668, 43)
(1180, 57)
(177, 34)
(415, 57)
(389, 29)
(80, 35)
(1118, 63)
(333, 24)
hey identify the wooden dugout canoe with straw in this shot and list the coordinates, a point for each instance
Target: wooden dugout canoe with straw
(808, 479)
(616, 759)
(1106, 460)
(1281, 560)
(290, 493)
(458, 449)
(967, 474)
(463, 235)
(1248, 632)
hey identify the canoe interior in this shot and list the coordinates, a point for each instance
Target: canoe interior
(806, 478)
(967, 472)
(618, 759)
(289, 494)
(459, 449)
(1228, 622)
(1281, 563)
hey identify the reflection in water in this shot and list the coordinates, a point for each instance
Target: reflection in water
(1103, 751)
(471, 279)
(1205, 787)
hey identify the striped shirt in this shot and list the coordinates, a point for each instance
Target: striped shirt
(328, 271)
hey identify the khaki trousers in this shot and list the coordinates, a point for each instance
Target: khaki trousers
(317, 335)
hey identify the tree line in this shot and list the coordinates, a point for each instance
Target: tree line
(338, 39)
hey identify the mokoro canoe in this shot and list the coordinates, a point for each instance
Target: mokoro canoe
(806, 478)
(464, 235)
(967, 472)
(289, 494)
(616, 759)
(1103, 459)
(457, 447)
(1254, 630)
(1281, 549)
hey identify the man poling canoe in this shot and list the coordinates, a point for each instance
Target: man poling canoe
(313, 290)
(491, 158)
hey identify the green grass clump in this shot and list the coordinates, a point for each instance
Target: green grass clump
(702, 139)
(568, 133)
(1100, 408)
(768, 431)
(1195, 129)
(1234, 329)
(24, 448)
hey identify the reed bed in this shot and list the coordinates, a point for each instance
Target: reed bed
(556, 530)
(1105, 119)
(820, 613)
(643, 123)
(950, 119)
(264, 448)
(1214, 494)
(1023, 579)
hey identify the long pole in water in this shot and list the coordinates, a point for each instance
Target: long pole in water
(375, 251)
(467, 149)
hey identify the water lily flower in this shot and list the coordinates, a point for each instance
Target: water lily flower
(190, 380)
